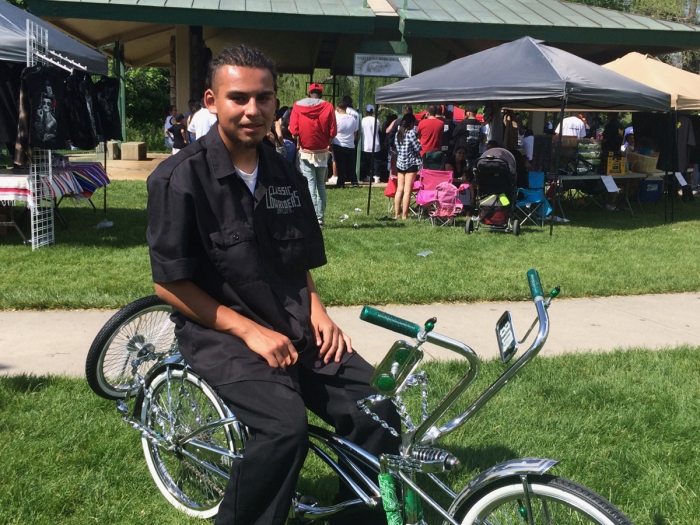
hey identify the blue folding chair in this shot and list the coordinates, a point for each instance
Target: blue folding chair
(533, 206)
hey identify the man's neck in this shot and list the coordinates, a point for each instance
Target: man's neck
(245, 159)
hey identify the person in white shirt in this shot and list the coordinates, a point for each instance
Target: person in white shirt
(169, 123)
(344, 146)
(350, 111)
(201, 123)
(370, 138)
(572, 127)
(529, 143)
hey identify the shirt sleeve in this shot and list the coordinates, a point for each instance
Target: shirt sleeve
(294, 122)
(173, 240)
(416, 143)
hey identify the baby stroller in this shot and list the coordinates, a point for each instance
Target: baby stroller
(496, 193)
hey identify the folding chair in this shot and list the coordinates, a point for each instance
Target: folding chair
(649, 190)
(447, 205)
(433, 160)
(533, 206)
(429, 180)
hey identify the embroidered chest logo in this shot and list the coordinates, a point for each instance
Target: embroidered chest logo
(283, 199)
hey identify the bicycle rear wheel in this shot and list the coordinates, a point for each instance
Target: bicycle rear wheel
(552, 500)
(141, 326)
(179, 404)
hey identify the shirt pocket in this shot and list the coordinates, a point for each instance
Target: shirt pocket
(290, 242)
(236, 254)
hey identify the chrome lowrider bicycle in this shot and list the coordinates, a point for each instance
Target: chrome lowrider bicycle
(190, 437)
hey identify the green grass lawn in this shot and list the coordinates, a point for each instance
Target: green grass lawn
(625, 424)
(598, 253)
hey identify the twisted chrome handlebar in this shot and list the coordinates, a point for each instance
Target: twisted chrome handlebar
(429, 432)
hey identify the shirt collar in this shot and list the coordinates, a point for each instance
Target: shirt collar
(219, 157)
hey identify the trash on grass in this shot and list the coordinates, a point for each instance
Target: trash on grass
(344, 216)
(355, 225)
(104, 223)
(358, 209)
(424, 254)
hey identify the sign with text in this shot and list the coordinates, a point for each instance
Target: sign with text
(373, 65)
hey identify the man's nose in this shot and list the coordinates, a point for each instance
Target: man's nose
(252, 107)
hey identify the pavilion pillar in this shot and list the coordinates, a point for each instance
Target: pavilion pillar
(182, 67)
(118, 65)
(537, 122)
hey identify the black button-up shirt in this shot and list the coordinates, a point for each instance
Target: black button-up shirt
(250, 252)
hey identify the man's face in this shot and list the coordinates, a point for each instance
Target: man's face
(244, 100)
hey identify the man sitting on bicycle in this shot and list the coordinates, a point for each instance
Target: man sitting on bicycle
(232, 235)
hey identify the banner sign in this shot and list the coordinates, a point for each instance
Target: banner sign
(373, 65)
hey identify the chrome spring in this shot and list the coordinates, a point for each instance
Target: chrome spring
(432, 454)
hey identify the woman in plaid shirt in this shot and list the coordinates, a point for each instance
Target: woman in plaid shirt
(407, 164)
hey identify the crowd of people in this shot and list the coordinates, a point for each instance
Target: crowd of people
(322, 141)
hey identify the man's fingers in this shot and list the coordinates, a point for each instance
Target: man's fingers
(333, 346)
(293, 355)
(327, 341)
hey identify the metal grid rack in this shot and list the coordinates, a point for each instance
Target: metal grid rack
(41, 202)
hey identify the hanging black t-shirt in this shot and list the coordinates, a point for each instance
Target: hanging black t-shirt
(105, 101)
(178, 138)
(81, 119)
(48, 125)
(9, 100)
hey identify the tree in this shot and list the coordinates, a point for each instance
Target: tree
(147, 97)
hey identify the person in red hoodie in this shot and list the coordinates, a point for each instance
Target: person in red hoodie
(312, 123)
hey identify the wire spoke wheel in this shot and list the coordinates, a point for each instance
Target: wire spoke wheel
(178, 406)
(141, 328)
(552, 501)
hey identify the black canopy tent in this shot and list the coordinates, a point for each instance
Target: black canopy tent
(13, 42)
(526, 74)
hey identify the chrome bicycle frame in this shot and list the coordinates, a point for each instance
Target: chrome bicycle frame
(417, 456)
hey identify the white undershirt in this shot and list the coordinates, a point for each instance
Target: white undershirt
(248, 178)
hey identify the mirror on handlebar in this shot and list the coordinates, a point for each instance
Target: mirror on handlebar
(395, 368)
(505, 334)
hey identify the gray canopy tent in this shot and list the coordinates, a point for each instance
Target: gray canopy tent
(526, 74)
(13, 42)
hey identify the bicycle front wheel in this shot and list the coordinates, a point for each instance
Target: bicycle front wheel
(179, 404)
(552, 500)
(141, 326)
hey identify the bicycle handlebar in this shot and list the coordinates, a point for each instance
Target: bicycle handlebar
(390, 322)
(427, 432)
(533, 279)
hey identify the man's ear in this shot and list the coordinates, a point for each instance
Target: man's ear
(210, 101)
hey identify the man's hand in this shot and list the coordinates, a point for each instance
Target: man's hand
(198, 305)
(275, 348)
(330, 339)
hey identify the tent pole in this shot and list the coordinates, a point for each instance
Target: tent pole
(358, 156)
(371, 158)
(674, 153)
(557, 160)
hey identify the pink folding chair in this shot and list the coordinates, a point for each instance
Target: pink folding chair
(429, 180)
(447, 205)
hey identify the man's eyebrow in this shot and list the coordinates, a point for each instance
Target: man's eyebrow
(234, 93)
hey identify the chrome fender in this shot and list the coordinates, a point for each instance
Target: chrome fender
(514, 467)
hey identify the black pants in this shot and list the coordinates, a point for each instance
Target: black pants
(262, 483)
(345, 165)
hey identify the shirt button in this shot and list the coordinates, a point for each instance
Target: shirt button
(235, 237)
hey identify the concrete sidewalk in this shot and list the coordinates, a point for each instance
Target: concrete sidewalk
(56, 342)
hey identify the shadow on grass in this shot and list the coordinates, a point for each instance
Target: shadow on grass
(479, 459)
(128, 230)
(659, 519)
(651, 215)
(26, 383)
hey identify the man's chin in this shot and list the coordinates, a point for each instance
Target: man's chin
(251, 143)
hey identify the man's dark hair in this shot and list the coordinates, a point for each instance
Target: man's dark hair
(241, 56)
(179, 117)
(348, 100)
(431, 110)
(343, 105)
